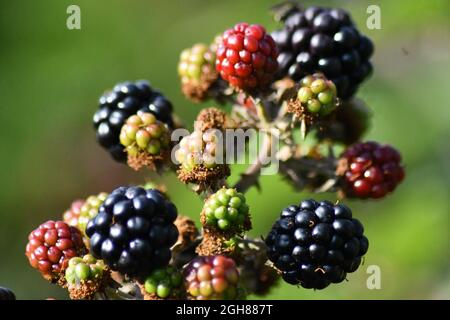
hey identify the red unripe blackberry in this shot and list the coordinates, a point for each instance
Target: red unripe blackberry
(212, 278)
(370, 170)
(51, 246)
(246, 56)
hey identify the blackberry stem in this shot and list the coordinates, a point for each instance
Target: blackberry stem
(251, 175)
(262, 112)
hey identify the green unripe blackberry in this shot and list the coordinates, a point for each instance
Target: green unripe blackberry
(84, 269)
(146, 140)
(226, 210)
(197, 72)
(163, 284)
(316, 97)
(89, 210)
(193, 60)
(85, 276)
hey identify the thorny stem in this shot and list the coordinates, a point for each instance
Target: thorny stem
(262, 112)
(294, 167)
(251, 175)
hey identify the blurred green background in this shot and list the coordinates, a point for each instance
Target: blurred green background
(51, 77)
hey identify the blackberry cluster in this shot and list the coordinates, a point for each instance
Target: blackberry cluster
(212, 278)
(133, 231)
(226, 210)
(324, 40)
(50, 247)
(247, 56)
(316, 243)
(125, 100)
(371, 170)
(163, 283)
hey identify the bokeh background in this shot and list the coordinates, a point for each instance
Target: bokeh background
(51, 78)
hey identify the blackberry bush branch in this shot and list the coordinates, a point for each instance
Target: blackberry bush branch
(130, 245)
(251, 175)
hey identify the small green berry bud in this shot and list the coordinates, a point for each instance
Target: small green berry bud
(147, 118)
(135, 120)
(220, 212)
(205, 288)
(304, 94)
(154, 147)
(162, 282)
(124, 139)
(82, 271)
(233, 214)
(142, 138)
(318, 86)
(235, 202)
(313, 105)
(176, 279)
(223, 198)
(151, 285)
(155, 130)
(223, 224)
(307, 81)
(89, 258)
(163, 291)
(325, 97)
(131, 130)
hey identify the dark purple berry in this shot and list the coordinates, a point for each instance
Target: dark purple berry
(321, 44)
(316, 244)
(134, 230)
(324, 40)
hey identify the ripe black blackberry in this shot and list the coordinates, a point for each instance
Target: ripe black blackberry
(6, 294)
(316, 243)
(133, 231)
(124, 100)
(324, 40)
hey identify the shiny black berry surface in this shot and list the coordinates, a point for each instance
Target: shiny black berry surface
(117, 105)
(324, 40)
(316, 243)
(133, 231)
